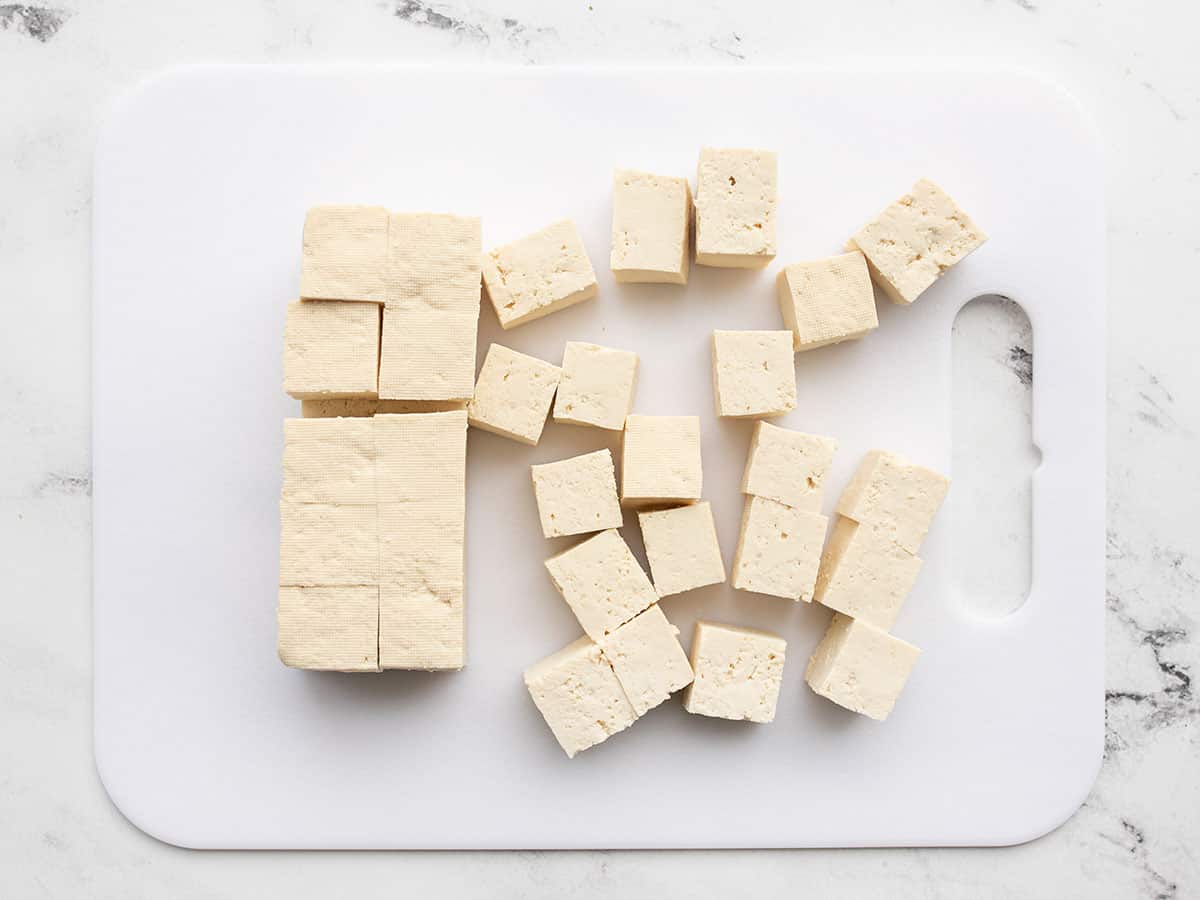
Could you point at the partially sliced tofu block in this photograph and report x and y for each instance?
(329, 629)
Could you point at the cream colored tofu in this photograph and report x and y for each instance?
(577, 495)
(597, 386)
(650, 224)
(421, 456)
(864, 574)
(648, 661)
(327, 544)
(736, 196)
(682, 548)
(911, 243)
(896, 497)
(754, 373)
(422, 626)
(738, 672)
(385, 407)
(788, 466)
(779, 550)
(427, 355)
(539, 274)
(579, 696)
(344, 256)
(422, 541)
(826, 301)
(602, 583)
(513, 395)
(329, 461)
(329, 629)
(860, 667)
(660, 460)
(331, 349)
(339, 408)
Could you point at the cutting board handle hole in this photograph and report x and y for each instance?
(994, 456)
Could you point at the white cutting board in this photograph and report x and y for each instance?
(204, 739)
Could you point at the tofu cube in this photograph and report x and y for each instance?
(660, 460)
(422, 625)
(911, 243)
(865, 574)
(651, 219)
(648, 661)
(577, 495)
(735, 208)
(344, 254)
(779, 550)
(513, 394)
(754, 373)
(860, 667)
(788, 466)
(331, 349)
(421, 456)
(602, 583)
(896, 497)
(329, 629)
(579, 696)
(682, 549)
(597, 386)
(327, 544)
(827, 301)
(329, 461)
(738, 672)
(539, 274)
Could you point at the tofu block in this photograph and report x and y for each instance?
(860, 667)
(651, 219)
(648, 661)
(911, 243)
(579, 696)
(788, 466)
(682, 549)
(327, 544)
(896, 497)
(344, 254)
(754, 373)
(735, 208)
(865, 574)
(826, 301)
(329, 629)
(331, 349)
(421, 456)
(329, 461)
(602, 583)
(660, 460)
(577, 495)
(513, 395)
(427, 355)
(597, 386)
(421, 626)
(738, 673)
(539, 274)
(779, 550)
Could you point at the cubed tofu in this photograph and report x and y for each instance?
(579, 696)
(327, 544)
(738, 672)
(682, 548)
(422, 625)
(660, 460)
(538, 274)
(779, 550)
(826, 301)
(513, 394)
(577, 495)
(597, 386)
(865, 574)
(896, 497)
(754, 373)
(602, 583)
(648, 660)
(329, 461)
(736, 195)
(421, 456)
(331, 349)
(344, 254)
(788, 466)
(860, 667)
(650, 224)
(911, 243)
(329, 629)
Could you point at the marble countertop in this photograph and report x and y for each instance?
(1136, 72)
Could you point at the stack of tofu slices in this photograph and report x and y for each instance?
(381, 350)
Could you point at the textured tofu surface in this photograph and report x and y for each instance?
(597, 386)
(421, 456)
(331, 349)
(358, 408)
(898, 498)
(860, 667)
(788, 466)
(329, 461)
(736, 196)
(754, 373)
(650, 224)
(421, 625)
(513, 395)
(825, 301)
(344, 253)
(602, 582)
(577, 495)
(538, 274)
(660, 460)
(864, 574)
(327, 544)
(648, 660)
(738, 672)
(332, 629)
(681, 547)
(778, 550)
